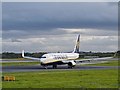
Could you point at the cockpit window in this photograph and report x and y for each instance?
(43, 57)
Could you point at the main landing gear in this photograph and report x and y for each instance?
(54, 66)
(70, 66)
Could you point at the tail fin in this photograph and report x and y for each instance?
(76, 48)
(116, 54)
(23, 54)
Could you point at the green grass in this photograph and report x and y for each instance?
(64, 79)
(20, 63)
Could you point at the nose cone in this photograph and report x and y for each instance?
(42, 60)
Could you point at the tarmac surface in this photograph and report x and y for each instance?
(38, 67)
(49, 68)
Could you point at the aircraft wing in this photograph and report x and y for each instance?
(27, 57)
(93, 59)
(87, 60)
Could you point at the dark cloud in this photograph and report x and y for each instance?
(15, 40)
(47, 16)
(29, 25)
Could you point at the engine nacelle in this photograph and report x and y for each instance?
(71, 63)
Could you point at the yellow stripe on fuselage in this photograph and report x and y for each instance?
(53, 60)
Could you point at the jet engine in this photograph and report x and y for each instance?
(71, 64)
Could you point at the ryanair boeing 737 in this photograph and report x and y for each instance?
(55, 59)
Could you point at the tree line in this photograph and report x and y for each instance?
(11, 55)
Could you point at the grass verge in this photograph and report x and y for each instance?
(64, 79)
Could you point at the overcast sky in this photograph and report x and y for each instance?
(53, 27)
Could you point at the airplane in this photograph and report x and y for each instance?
(55, 59)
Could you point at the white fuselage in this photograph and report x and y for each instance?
(56, 57)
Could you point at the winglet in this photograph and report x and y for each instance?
(23, 53)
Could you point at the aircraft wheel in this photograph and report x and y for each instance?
(54, 66)
(70, 66)
(45, 67)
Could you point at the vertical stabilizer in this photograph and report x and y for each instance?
(22, 53)
(76, 48)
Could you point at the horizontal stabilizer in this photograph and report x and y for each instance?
(76, 48)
